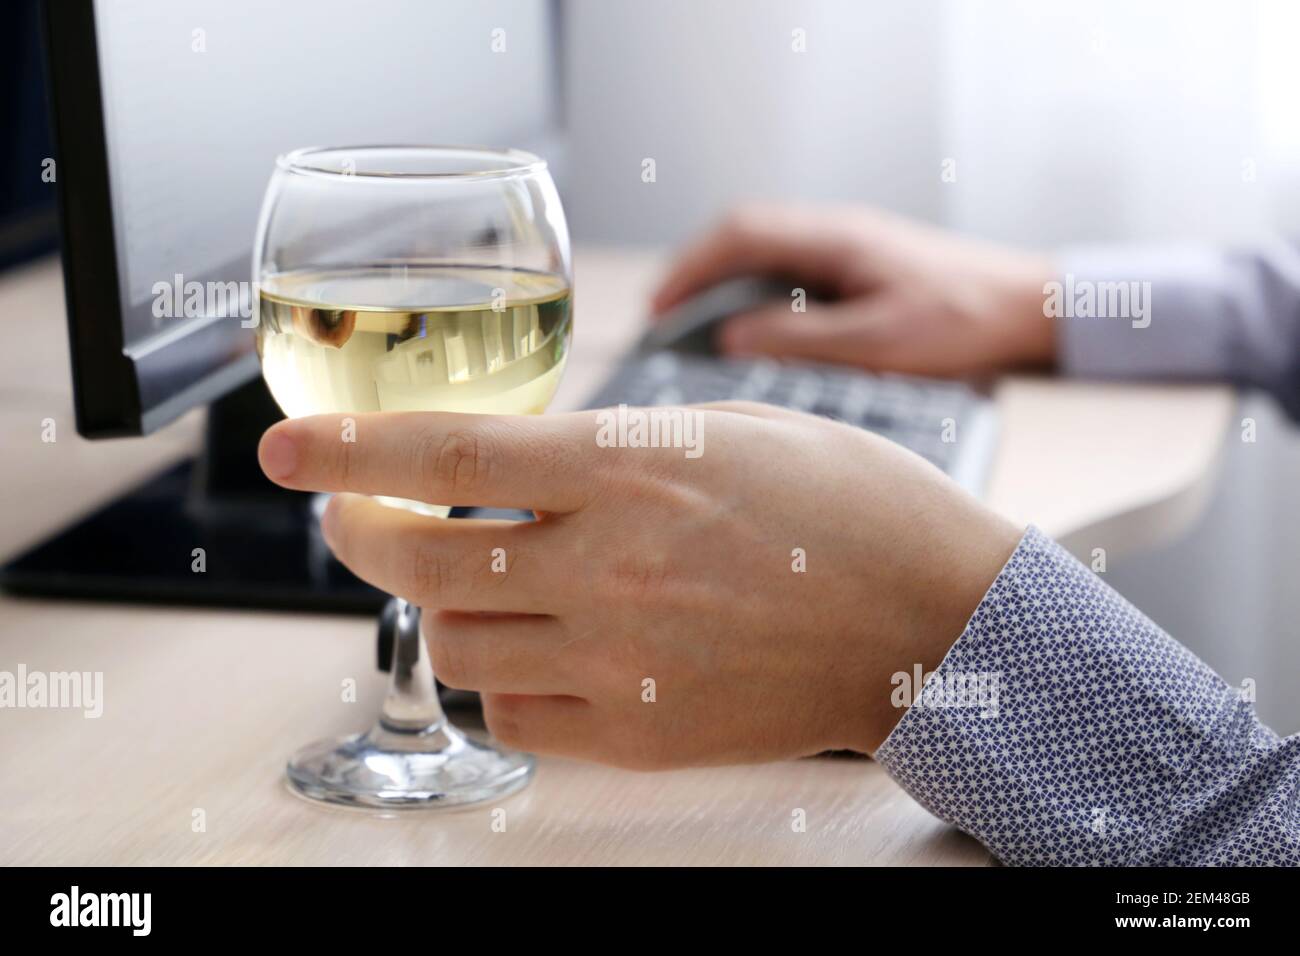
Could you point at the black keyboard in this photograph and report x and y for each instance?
(945, 422)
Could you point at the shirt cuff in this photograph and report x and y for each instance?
(1060, 725)
(1144, 312)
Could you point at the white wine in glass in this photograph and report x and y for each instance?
(413, 338)
(406, 278)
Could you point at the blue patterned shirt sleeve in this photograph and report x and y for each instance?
(1096, 738)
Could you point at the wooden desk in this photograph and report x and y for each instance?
(189, 726)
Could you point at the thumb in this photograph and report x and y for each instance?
(832, 332)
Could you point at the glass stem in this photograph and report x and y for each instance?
(411, 706)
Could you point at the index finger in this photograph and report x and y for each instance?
(445, 458)
(785, 241)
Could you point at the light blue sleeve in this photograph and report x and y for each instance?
(1096, 738)
(1214, 314)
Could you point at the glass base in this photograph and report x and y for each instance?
(388, 768)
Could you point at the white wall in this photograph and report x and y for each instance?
(714, 93)
(1109, 118)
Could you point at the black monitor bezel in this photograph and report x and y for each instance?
(115, 393)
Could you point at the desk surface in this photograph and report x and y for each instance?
(188, 727)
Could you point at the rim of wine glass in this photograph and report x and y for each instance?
(515, 162)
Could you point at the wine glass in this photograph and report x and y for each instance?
(411, 278)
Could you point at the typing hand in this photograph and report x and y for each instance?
(745, 597)
(901, 296)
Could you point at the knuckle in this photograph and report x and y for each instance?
(740, 221)
(459, 461)
(345, 464)
(754, 221)
(503, 721)
(746, 407)
(751, 407)
(637, 575)
(428, 574)
(448, 661)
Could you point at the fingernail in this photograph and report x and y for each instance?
(279, 455)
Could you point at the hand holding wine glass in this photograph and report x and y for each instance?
(411, 279)
(647, 565)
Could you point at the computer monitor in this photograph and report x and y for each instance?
(168, 116)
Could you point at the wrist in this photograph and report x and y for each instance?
(942, 604)
(1032, 338)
